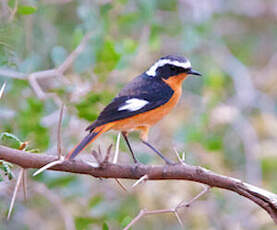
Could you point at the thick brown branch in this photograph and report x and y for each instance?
(265, 199)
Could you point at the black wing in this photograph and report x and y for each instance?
(154, 91)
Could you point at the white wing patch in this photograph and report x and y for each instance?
(162, 62)
(133, 104)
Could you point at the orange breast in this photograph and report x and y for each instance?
(151, 117)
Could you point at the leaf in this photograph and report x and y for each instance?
(269, 166)
(105, 8)
(105, 226)
(26, 10)
(213, 142)
(77, 37)
(106, 58)
(32, 129)
(95, 200)
(6, 168)
(11, 3)
(82, 223)
(62, 181)
(129, 45)
(88, 108)
(10, 140)
(34, 150)
(167, 5)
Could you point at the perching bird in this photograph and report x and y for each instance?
(142, 103)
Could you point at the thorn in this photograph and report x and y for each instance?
(189, 203)
(179, 218)
(15, 192)
(144, 212)
(49, 165)
(2, 89)
(116, 153)
(184, 156)
(99, 150)
(121, 185)
(140, 180)
(106, 159)
(96, 156)
(93, 164)
(181, 160)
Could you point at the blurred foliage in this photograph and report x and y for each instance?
(28, 119)
(106, 58)
(225, 121)
(88, 107)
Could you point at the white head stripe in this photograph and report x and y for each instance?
(162, 62)
(133, 104)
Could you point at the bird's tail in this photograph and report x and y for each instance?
(87, 140)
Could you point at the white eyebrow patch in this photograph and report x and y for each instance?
(133, 104)
(162, 62)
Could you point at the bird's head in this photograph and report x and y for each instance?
(171, 66)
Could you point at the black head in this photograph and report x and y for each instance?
(169, 66)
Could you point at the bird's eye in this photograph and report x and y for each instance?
(173, 68)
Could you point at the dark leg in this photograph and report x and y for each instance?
(124, 134)
(156, 151)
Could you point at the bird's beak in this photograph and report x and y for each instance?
(194, 72)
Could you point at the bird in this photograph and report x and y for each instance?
(141, 103)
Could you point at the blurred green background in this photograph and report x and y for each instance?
(225, 121)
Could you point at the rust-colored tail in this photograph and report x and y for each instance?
(87, 140)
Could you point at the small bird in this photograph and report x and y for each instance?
(142, 103)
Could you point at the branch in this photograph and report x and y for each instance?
(263, 198)
(182, 204)
(57, 72)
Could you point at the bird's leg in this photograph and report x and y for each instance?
(124, 134)
(144, 137)
(158, 152)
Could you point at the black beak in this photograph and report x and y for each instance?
(193, 72)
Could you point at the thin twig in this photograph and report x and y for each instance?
(23, 146)
(13, 74)
(71, 58)
(59, 146)
(144, 212)
(59, 133)
(19, 178)
(13, 11)
(33, 77)
(24, 184)
(55, 200)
